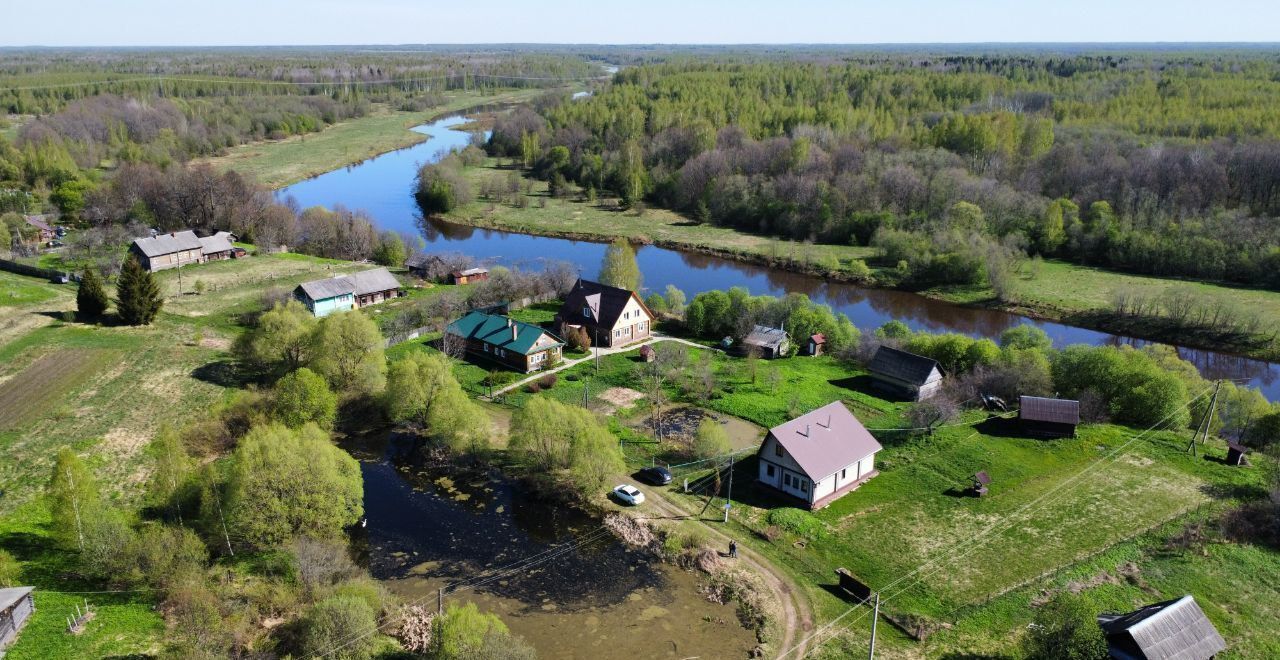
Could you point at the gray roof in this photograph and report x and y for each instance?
(372, 281)
(170, 243)
(904, 366)
(1172, 630)
(38, 221)
(219, 242)
(369, 281)
(1041, 409)
(12, 595)
(420, 260)
(762, 335)
(825, 440)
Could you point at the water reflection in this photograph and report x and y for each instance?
(383, 186)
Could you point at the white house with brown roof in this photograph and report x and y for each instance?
(611, 316)
(818, 457)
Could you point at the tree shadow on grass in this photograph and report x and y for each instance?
(1241, 492)
(223, 373)
(1001, 427)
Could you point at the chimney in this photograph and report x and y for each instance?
(514, 330)
(808, 430)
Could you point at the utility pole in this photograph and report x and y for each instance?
(728, 499)
(875, 614)
(440, 601)
(1206, 420)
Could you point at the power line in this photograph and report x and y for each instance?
(972, 545)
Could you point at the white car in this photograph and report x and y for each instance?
(629, 494)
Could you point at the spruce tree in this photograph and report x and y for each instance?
(91, 299)
(137, 294)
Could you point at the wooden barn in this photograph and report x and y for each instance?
(906, 375)
(1048, 418)
(1236, 454)
(817, 345)
(164, 251)
(16, 606)
(1172, 630)
(469, 276)
(769, 343)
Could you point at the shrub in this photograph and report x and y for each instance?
(548, 381)
(1065, 629)
(533, 388)
(798, 522)
(339, 627)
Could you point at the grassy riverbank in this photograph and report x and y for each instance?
(1051, 290)
(278, 163)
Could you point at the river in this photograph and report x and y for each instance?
(383, 187)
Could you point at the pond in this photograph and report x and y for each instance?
(552, 573)
(383, 187)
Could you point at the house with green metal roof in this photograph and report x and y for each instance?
(521, 346)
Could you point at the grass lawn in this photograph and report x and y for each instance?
(20, 290)
(278, 163)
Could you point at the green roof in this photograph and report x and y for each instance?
(495, 330)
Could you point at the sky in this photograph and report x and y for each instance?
(329, 22)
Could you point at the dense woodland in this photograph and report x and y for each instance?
(1160, 163)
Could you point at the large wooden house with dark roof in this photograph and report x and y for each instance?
(1171, 630)
(611, 316)
(521, 346)
(906, 375)
(347, 292)
(818, 457)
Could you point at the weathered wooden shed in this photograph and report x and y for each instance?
(469, 276)
(904, 374)
(817, 344)
(1048, 418)
(16, 606)
(980, 482)
(769, 342)
(1171, 630)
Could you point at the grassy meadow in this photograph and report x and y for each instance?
(278, 163)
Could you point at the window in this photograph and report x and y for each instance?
(777, 449)
(586, 312)
(804, 485)
(786, 479)
(768, 469)
(844, 473)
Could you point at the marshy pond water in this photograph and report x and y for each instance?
(553, 573)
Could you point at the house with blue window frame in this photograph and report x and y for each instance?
(522, 346)
(347, 292)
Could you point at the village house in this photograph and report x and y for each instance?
(521, 346)
(347, 292)
(1048, 418)
(16, 606)
(906, 375)
(768, 343)
(818, 457)
(218, 247)
(469, 276)
(169, 250)
(611, 316)
(44, 231)
(1171, 630)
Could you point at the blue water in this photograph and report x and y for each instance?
(383, 186)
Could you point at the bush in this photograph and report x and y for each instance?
(1065, 629)
(533, 388)
(798, 522)
(339, 627)
(303, 396)
(10, 570)
(548, 381)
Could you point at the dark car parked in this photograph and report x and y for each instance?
(658, 476)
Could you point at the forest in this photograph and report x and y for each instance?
(1158, 163)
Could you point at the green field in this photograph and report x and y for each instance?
(106, 390)
(278, 163)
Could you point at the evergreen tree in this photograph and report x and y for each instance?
(619, 267)
(91, 298)
(137, 294)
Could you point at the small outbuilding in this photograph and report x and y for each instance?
(980, 482)
(218, 246)
(647, 354)
(1236, 454)
(907, 375)
(769, 342)
(818, 457)
(1172, 630)
(1048, 418)
(817, 344)
(469, 276)
(16, 606)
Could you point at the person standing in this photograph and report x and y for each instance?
(733, 549)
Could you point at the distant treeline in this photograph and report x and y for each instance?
(1163, 165)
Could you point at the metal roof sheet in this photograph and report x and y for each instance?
(825, 440)
(219, 242)
(1042, 409)
(495, 330)
(762, 335)
(1171, 630)
(154, 246)
(904, 366)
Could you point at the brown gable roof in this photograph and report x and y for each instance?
(1041, 409)
(904, 366)
(825, 440)
(1172, 630)
(606, 303)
